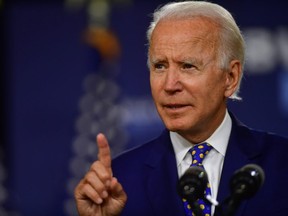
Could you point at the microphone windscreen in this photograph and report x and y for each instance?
(246, 181)
(192, 184)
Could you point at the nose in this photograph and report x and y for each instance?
(173, 81)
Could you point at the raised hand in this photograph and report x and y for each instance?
(99, 193)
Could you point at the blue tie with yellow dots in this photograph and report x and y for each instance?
(198, 153)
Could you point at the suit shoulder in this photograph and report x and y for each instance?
(139, 154)
(264, 138)
(135, 152)
(259, 136)
(269, 136)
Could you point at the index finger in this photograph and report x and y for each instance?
(104, 155)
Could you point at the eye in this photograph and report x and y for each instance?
(159, 66)
(187, 66)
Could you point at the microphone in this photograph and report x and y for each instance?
(244, 184)
(246, 181)
(191, 186)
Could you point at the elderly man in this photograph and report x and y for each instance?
(196, 58)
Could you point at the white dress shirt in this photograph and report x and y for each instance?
(213, 162)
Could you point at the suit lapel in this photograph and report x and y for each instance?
(241, 150)
(162, 178)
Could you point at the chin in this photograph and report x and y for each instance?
(176, 126)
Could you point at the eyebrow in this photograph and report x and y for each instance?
(191, 60)
(157, 60)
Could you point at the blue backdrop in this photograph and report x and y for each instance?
(60, 92)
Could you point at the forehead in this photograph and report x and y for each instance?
(180, 34)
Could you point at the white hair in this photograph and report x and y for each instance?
(231, 42)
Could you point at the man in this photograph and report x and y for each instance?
(196, 58)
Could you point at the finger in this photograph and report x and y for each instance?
(99, 177)
(85, 191)
(117, 190)
(97, 183)
(104, 155)
(101, 171)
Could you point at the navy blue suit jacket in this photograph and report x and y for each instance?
(148, 174)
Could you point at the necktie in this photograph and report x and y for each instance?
(198, 153)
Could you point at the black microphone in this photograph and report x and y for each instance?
(244, 184)
(246, 181)
(191, 186)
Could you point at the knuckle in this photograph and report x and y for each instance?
(79, 187)
(92, 194)
(90, 177)
(95, 165)
(100, 170)
(93, 180)
(104, 175)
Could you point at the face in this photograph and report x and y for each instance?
(188, 88)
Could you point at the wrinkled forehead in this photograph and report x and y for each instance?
(181, 32)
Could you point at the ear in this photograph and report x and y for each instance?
(233, 76)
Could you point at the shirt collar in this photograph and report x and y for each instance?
(219, 140)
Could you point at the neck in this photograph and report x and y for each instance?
(200, 135)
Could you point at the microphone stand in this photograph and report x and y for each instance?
(228, 207)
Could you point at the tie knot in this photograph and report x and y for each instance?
(199, 152)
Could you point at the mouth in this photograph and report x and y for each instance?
(175, 107)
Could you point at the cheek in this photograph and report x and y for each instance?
(154, 91)
(155, 86)
(216, 85)
(195, 87)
